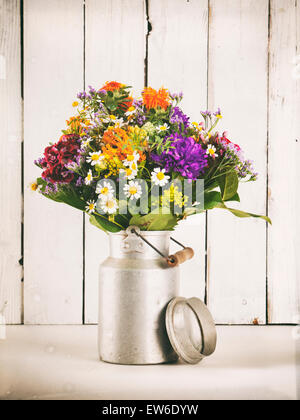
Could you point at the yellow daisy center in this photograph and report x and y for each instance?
(112, 117)
(104, 190)
(211, 151)
(34, 186)
(89, 177)
(130, 158)
(160, 175)
(95, 157)
(91, 206)
(110, 204)
(132, 190)
(133, 166)
(128, 171)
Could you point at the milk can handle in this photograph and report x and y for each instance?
(173, 260)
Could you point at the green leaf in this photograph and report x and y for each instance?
(243, 214)
(235, 197)
(228, 185)
(104, 224)
(154, 221)
(68, 197)
(212, 199)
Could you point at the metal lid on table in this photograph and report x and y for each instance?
(191, 329)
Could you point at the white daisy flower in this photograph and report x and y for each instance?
(129, 173)
(90, 207)
(112, 119)
(104, 190)
(85, 142)
(162, 128)
(133, 190)
(159, 177)
(211, 151)
(132, 158)
(95, 158)
(89, 178)
(131, 111)
(109, 205)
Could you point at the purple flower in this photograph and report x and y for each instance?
(102, 92)
(92, 90)
(205, 113)
(218, 112)
(50, 189)
(81, 95)
(185, 157)
(79, 181)
(140, 117)
(178, 117)
(176, 96)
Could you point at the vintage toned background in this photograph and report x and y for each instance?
(243, 56)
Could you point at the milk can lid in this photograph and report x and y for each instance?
(191, 329)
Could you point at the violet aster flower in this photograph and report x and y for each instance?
(178, 117)
(185, 157)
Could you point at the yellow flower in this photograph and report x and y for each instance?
(75, 103)
(34, 186)
(173, 195)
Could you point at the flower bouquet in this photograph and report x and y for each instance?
(141, 162)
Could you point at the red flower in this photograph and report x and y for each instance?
(227, 141)
(58, 173)
(68, 146)
(51, 155)
(57, 155)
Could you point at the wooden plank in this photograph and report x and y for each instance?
(10, 161)
(178, 60)
(53, 232)
(238, 56)
(284, 129)
(114, 51)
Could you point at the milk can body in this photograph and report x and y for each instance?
(135, 287)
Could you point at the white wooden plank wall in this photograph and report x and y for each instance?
(53, 73)
(234, 54)
(10, 161)
(284, 143)
(238, 80)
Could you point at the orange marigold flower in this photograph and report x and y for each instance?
(117, 143)
(153, 98)
(111, 86)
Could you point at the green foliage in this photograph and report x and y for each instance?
(154, 221)
(228, 185)
(101, 222)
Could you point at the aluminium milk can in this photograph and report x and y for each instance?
(142, 320)
(135, 287)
